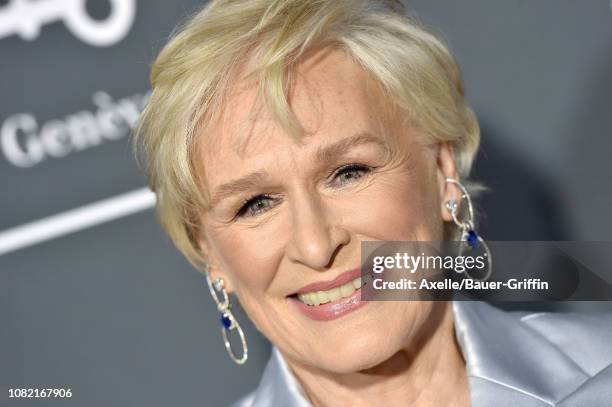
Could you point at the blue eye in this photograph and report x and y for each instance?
(350, 173)
(256, 205)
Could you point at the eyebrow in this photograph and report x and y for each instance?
(341, 147)
(323, 154)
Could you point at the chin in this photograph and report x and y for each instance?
(356, 351)
(360, 340)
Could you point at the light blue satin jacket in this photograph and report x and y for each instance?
(513, 360)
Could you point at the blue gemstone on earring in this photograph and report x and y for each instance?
(226, 321)
(472, 239)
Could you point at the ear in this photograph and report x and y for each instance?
(213, 260)
(446, 168)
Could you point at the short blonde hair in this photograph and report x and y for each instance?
(192, 74)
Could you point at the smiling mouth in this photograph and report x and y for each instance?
(315, 298)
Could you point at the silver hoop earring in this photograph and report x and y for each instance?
(228, 321)
(469, 236)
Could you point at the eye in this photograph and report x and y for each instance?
(349, 173)
(255, 206)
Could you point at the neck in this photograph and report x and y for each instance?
(427, 371)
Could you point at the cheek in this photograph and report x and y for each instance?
(400, 206)
(248, 259)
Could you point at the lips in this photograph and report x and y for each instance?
(328, 285)
(328, 300)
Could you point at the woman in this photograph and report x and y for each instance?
(282, 134)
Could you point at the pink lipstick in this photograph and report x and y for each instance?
(345, 290)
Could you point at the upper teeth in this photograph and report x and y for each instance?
(322, 297)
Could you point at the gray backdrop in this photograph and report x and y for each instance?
(113, 312)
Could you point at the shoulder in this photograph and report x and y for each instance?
(585, 338)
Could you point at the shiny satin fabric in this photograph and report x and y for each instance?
(512, 360)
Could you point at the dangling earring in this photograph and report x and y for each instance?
(228, 321)
(469, 236)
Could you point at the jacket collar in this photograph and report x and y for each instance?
(278, 385)
(505, 359)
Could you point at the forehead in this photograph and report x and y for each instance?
(331, 96)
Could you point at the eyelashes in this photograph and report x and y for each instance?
(255, 205)
(340, 177)
(349, 173)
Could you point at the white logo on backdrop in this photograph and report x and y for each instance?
(26, 17)
(25, 144)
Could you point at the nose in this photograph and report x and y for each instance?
(316, 236)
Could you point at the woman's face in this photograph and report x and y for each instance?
(288, 213)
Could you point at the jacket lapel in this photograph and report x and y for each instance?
(592, 392)
(510, 363)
